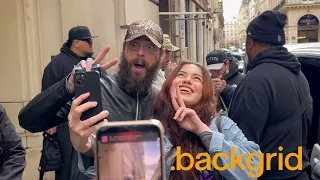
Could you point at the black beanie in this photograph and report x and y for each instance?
(268, 27)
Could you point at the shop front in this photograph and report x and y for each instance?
(308, 29)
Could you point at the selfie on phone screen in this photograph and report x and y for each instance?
(129, 156)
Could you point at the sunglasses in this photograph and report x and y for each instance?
(89, 41)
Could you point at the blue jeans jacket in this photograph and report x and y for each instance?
(230, 138)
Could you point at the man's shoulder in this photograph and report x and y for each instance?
(3, 115)
(58, 59)
(108, 80)
(2, 110)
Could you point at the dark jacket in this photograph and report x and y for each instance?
(41, 112)
(60, 66)
(232, 79)
(49, 109)
(57, 69)
(12, 152)
(272, 91)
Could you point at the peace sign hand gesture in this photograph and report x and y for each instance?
(186, 118)
(88, 64)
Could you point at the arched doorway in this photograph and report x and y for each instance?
(308, 29)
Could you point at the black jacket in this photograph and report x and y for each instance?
(12, 152)
(58, 68)
(48, 109)
(232, 79)
(41, 112)
(272, 91)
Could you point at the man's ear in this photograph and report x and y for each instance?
(75, 43)
(250, 43)
(123, 46)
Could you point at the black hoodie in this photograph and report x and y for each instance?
(60, 66)
(57, 69)
(232, 79)
(272, 91)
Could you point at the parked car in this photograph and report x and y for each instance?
(239, 59)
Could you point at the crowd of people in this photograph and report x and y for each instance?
(204, 109)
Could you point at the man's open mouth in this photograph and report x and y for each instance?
(139, 66)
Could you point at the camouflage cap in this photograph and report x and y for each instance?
(145, 28)
(168, 45)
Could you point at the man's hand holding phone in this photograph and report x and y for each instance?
(80, 128)
(218, 84)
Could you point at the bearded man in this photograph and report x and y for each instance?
(127, 95)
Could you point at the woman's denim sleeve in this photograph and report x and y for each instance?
(232, 143)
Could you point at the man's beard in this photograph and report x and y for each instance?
(89, 54)
(135, 82)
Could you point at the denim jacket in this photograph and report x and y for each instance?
(231, 136)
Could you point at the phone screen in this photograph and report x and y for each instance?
(129, 154)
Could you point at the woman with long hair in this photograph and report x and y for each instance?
(186, 106)
(189, 119)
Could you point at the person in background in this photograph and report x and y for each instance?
(225, 76)
(272, 105)
(12, 152)
(166, 65)
(78, 47)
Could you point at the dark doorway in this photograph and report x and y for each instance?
(164, 24)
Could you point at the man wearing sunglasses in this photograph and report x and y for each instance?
(78, 47)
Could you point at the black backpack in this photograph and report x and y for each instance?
(51, 159)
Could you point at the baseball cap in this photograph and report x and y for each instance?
(80, 32)
(145, 28)
(216, 59)
(168, 45)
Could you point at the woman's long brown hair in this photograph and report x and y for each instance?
(189, 142)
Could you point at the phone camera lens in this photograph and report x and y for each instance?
(80, 80)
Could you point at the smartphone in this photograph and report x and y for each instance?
(130, 150)
(88, 81)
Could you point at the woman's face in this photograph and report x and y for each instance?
(189, 82)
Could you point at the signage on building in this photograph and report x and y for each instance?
(308, 20)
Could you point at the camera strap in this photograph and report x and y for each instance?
(224, 105)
